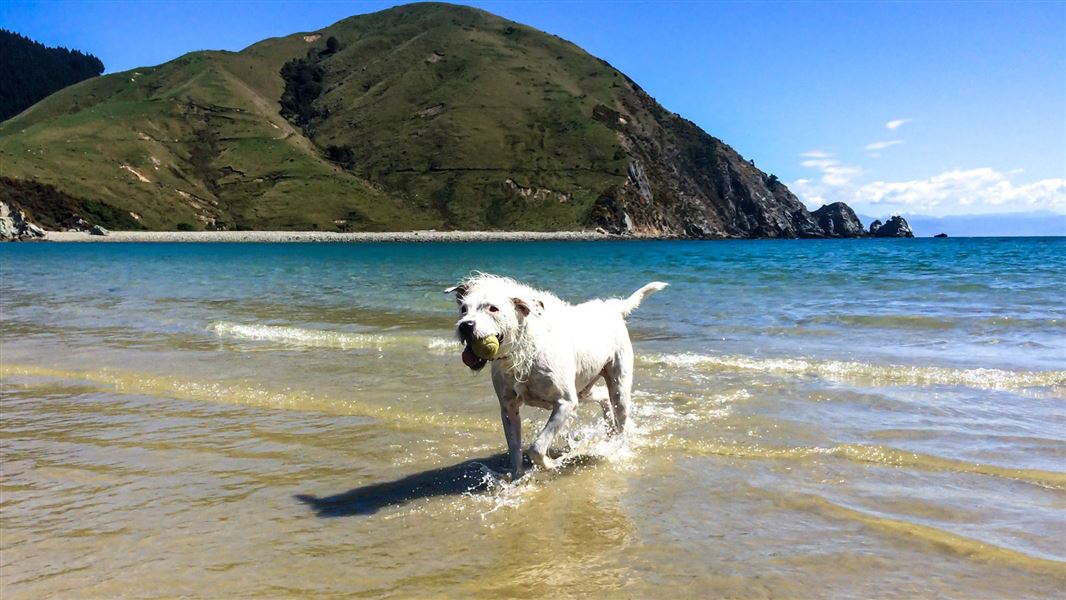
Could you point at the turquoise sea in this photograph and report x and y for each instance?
(830, 418)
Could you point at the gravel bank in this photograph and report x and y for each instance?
(324, 236)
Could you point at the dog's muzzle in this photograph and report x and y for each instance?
(470, 359)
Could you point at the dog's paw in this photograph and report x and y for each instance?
(542, 460)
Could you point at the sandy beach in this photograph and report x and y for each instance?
(328, 236)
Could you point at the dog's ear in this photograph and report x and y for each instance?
(521, 306)
(460, 291)
(525, 308)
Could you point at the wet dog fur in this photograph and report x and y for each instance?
(551, 355)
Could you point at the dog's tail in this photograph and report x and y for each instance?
(631, 303)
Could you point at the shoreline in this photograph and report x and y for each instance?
(330, 236)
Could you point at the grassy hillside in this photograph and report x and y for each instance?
(421, 116)
(196, 141)
(469, 102)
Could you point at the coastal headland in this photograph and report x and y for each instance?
(419, 117)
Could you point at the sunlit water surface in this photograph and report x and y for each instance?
(813, 419)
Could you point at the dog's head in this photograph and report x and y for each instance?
(489, 306)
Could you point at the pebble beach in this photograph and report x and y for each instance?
(327, 236)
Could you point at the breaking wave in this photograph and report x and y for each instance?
(320, 338)
(868, 373)
(992, 379)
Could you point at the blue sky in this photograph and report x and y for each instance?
(975, 92)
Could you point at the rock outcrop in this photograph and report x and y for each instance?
(838, 220)
(895, 227)
(14, 225)
(683, 182)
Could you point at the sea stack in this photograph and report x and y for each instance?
(838, 220)
(895, 227)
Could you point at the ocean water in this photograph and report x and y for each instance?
(837, 418)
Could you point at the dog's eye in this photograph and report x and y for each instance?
(463, 310)
(493, 309)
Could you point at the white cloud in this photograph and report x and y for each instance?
(834, 173)
(896, 124)
(972, 191)
(881, 145)
(976, 190)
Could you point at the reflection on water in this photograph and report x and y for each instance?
(813, 419)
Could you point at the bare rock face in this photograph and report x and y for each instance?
(79, 224)
(7, 224)
(15, 226)
(838, 220)
(897, 226)
(683, 182)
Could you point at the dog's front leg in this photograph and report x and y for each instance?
(564, 408)
(512, 430)
(512, 423)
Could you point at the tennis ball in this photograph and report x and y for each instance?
(486, 347)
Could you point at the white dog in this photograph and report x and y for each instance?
(551, 353)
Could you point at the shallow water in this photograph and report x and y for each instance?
(853, 418)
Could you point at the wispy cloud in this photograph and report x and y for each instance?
(834, 173)
(896, 124)
(881, 145)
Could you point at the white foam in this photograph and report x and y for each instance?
(320, 338)
(845, 370)
(300, 337)
(442, 345)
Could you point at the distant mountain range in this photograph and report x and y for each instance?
(1035, 224)
(421, 116)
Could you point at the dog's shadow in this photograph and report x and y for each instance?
(466, 477)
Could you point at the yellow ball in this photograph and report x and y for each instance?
(486, 347)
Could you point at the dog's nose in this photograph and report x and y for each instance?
(466, 328)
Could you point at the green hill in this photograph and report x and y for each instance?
(421, 116)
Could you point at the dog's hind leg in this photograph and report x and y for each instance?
(619, 378)
(564, 408)
(600, 395)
